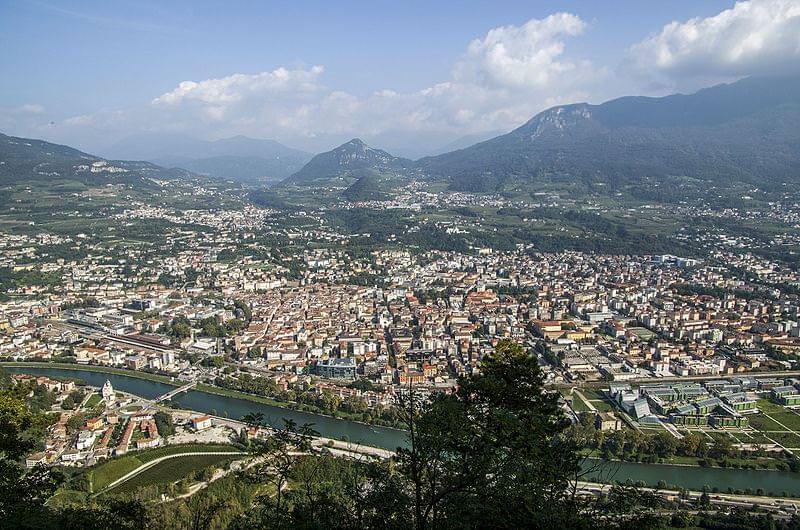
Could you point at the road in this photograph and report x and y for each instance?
(726, 499)
(678, 379)
(338, 447)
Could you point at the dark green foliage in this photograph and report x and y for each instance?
(180, 327)
(268, 199)
(10, 279)
(366, 188)
(492, 455)
(22, 492)
(164, 424)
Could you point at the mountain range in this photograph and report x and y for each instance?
(24, 160)
(746, 132)
(238, 158)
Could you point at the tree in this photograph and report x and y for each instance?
(164, 424)
(180, 327)
(492, 451)
(68, 403)
(278, 459)
(664, 444)
(22, 493)
(254, 419)
(494, 454)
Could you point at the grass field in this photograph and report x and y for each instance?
(774, 423)
(172, 470)
(94, 399)
(592, 394)
(785, 439)
(788, 419)
(67, 497)
(578, 404)
(767, 406)
(107, 472)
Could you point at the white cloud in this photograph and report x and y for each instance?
(752, 37)
(500, 81)
(31, 108)
(236, 87)
(524, 56)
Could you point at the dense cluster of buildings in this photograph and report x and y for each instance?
(414, 319)
(233, 295)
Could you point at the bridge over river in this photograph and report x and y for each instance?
(690, 477)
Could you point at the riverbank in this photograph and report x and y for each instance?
(688, 477)
(220, 403)
(290, 405)
(203, 387)
(95, 368)
(760, 463)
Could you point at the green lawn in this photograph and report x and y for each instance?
(578, 404)
(753, 438)
(172, 470)
(765, 405)
(602, 406)
(762, 423)
(785, 439)
(93, 400)
(789, 419)
(593, 394)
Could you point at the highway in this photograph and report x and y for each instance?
(723, 499)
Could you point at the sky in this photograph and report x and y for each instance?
(410, 75)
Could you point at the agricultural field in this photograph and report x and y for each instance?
(172, 470)
(107, 472)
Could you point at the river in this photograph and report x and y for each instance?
(684, 476)
(233, 408)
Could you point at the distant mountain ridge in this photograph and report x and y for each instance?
(236, 158)
(25, 160)
(748, 131)
(350, 161)
(745, 133)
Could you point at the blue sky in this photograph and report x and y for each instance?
(312, 73)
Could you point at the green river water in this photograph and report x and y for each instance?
(695, 478)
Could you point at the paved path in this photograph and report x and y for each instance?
(151, 463)
(671, 429)
(588, 403)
